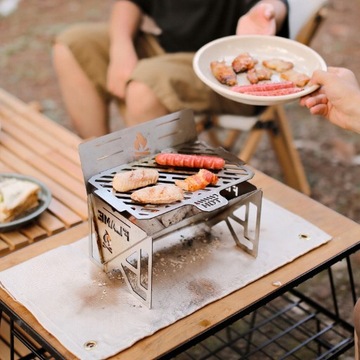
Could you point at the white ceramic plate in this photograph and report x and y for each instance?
(260, 47)
(44, 201)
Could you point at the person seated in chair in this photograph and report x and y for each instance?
(151, 74)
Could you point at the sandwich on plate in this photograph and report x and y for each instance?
(16, 198)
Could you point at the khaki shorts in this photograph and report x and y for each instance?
(170, 76)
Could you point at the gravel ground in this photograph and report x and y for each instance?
(331, 156)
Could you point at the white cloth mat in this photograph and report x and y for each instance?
(76, 302)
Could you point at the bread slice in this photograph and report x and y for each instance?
(16, 197)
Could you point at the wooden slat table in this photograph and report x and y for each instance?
(31, 144)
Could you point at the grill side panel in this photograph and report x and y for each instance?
(129, 144)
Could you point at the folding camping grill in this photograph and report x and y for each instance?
(122, 231)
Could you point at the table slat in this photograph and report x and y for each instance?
(38, 120)
(39, 162)
(34, 232)
(4, 248)
(64, 213)
(14, 239)
(36, 139)
(50, 223)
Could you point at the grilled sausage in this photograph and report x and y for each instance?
(198, 181)
(191, 161)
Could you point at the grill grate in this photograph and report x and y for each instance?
(208, 199)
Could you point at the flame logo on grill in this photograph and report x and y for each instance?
(106, 243)
(140, 145)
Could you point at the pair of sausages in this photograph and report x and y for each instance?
(268, 89)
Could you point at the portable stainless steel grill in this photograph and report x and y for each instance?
(122, 232)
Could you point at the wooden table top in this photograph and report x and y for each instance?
(33, 145)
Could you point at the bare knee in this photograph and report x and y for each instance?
(67, 68)
(62, 57)
(142, 104)
(136, 91)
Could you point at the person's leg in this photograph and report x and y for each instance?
(80, 79)
(157, 87)
(142, 104)
(86, 108)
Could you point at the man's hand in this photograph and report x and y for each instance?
(119, 71)
(259, 20)
(124, 23)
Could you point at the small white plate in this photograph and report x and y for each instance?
(260, 47)
(27, 217)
